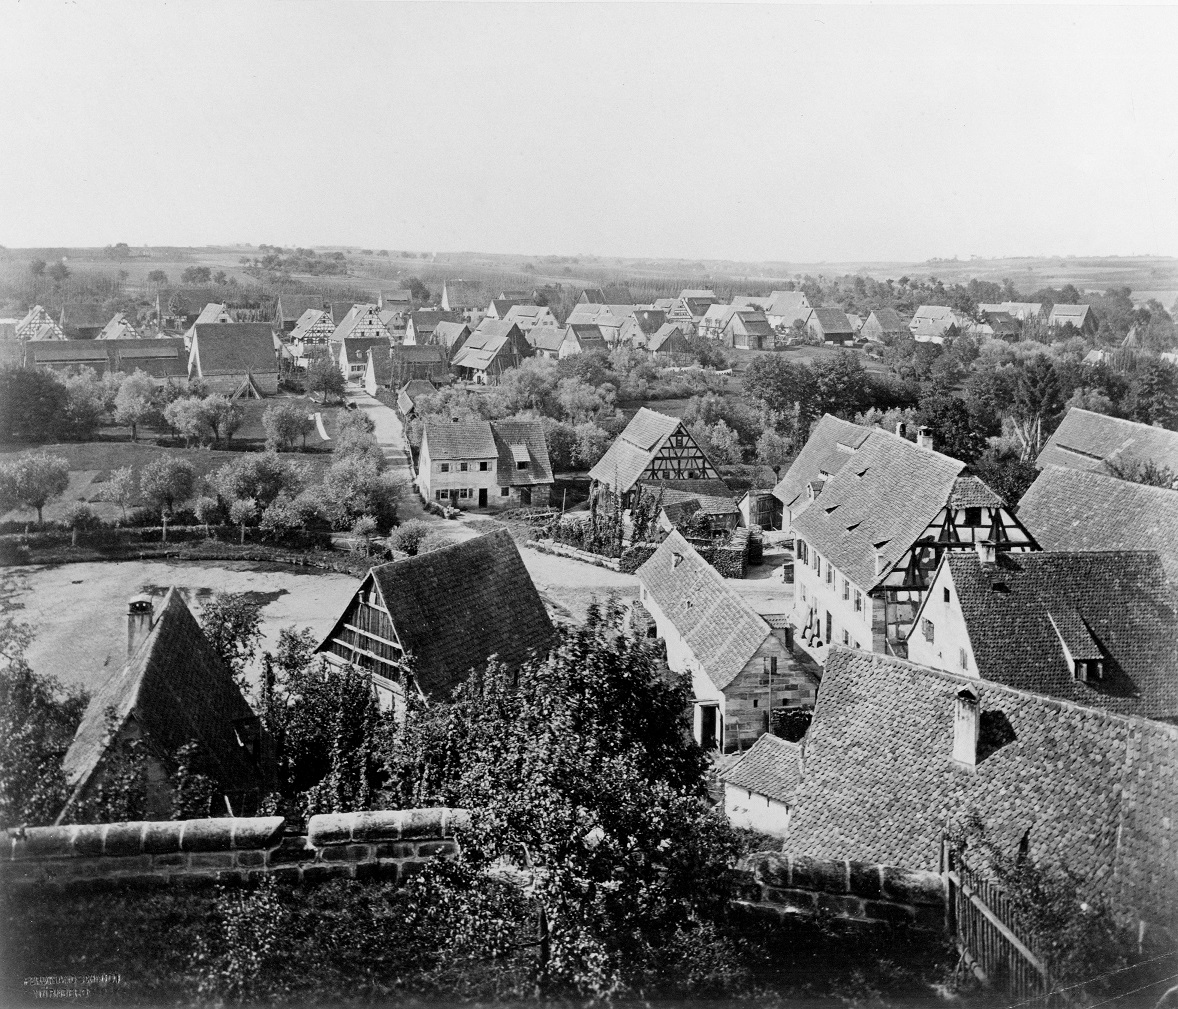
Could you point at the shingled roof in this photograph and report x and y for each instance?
(889, 320)
(1095, 789)
(1087, 440)
(516, 440)
(311, 317)
(881, 503)
(234, 348)
(632, 451)
(456, 607)
(772, 766)
(292, 307)
(720, 627)
(1115, 606)
(832, 320)
(462, 439)
(831, 443)
(1070, 509)
(178, 691)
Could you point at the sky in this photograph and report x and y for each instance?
(701, 131)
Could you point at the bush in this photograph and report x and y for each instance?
(634, 556)
(81, 517)
(408, 536)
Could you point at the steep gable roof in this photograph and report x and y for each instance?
(549, 338)
(1021, 610)
(649, 320)
(1096, 790)
(881, 503)
(518, 440)
(789, 305)
(119, 328)
(832, 320)
(456, 607)
(889, 320)
(458, 439)
(310, 318)
(1087, 440)
(588, 335)
(356, 348)
(772, 766)
(178, 690)
(668, 339)
(831, 443)
(751, 321)
(359, 316)
(233, 348)
(632, 451)
(450, 335)
(1075, 314)
(715, 621)
(292, 307)
(1071, 509)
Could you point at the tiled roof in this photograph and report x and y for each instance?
(119, 328)
(772, 767)
(890, 321)
(160, 358)
(1097, 791)
(210, 313)
(668, 338)
(1075, 314)
(408, 353)
(592, 296)
(504, 305)
(1087, 440)
(970, 492)
(549, 338)
(233, 348)
(295, 306)
(588, 335)
(418, 387)
(426, 321)
(456, 607)
(789, 305)
(711, 504)
(649, 320)
(510, 437)
(1118, 602)
(708, 492)
(1070, 509)
(752, 321)
(356, 347)
(447, 334)
(178, 690)
(359, 317)
(832, 320)
(464, 439)
(697, 294)
(722, 630)
(831, 443)
(633, 450)
(85, 315)
(750, 301)
(309, 318)
(882, 502)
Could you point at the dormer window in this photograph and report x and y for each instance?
(1088, 670)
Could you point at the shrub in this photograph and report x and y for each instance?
(407, 537)
(285, 423)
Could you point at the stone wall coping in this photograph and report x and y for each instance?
(870, 880)
(386, 825)
(142, 837)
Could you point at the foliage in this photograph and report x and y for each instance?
(1007, 474)
(242, 512)
(32, 480)
(324, 376)
(952, 427)
(167, 482)
(407, 537)
(1149, 472)
(355, 486)
(135, 403)
(86, 403)
(189, 419)
(118, 488)
(285, 422)
(232, 623)
(81, 517)
(223, 416)
(196, 275)
(32, 405)
(774, 450)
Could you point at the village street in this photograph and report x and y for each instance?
(390, 434)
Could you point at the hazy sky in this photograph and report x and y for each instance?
(686, 130)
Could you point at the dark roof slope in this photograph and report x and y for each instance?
(464, 439)
(633, 450)
(1097, 790)
(1087, 440)
(1070, 509)
(178, 690)
(833, 320)
(890, 321)
(831, 443)
(233, 348)
(772, 766)
(517, 440)
(456, 607)
(1115, 602)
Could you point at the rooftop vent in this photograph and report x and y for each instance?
(924, 438)
(965, 728)
(139, 621)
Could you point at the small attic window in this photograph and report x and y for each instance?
(1088, 670)
(676, 560)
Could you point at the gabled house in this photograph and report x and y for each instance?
(484, 464)
(528, 317)
(655, 448)
(451, 336)
(761, 304)
(1095, 628)
(669, 343)
(856, 322)
(761, 787)
(749, 329)
(830, 325)
(234, 358)
(421, 325)
(38, 324)
(490, 350)
(786, 308)
(1074, 509)
(591, 296)
(715, 319)
(997, 326)
(1023, 311)
(461, 305)
(314, 328)
(119, 328)
(361, 323)
(352, 354)
(172, 690)
(933, 323)
(897, 752)
(290, 308)
(212, 313)
(679, 507)
(83, 321)
(422, 624)
(1103, 444)
(696, 303)
(548, 341)
(866, 548)
(610, 319)
(583, 338)
(499, 307)
(391, 367)
(831, 444)
(640, 326)
(740, 667)
(884, 325)
(1079, 317)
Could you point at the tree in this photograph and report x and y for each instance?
(285, 422)
(419, 292)
(33, 404)
(355, 486)
(223, 416)
(135, 402)
(37, 269)
(952, 426)
(34, 479)
(166, 483)
(118, 488)
(196, 275)
(242, 512)
(220, 278)
(157, 278)
(261, 476)
(774, 450)
(324, 376)
(1038, 399)
(407, 537)
(232, 624)
(85, 404)
(59, 273)
(189, 418)
(1154, 394)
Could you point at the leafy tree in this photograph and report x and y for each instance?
(355, 486)
(37, 269)
(157, 278)
(118, 488)
(223, 416)
(1007, 474)
(356, 438)
(1038, 400)
(220, 277)
(284, 423)
(324, 376)
(32, 405)
(34, 479)
(135, 403)
(1149, 472)
(261, 476)
(59, 273)
(1154, 394)
(189, 418)
(774, 450)
(242, 512)
(232, 623)
(196, 275)
(952, 427)
(407, 537)
(592, 442)
(419, 292)
(86, 399)
(207, 510)
(166, 483)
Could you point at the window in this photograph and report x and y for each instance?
(462, 467)
(829, 574)
(855, 644)
(846, 589)
(858, 601)
(945, 594)
(963, 658)
(829, 626)
(846, 637)
(926, 628)
(444, 467)
(521, 464)
(464, 492)
(973, 516)
(754, 702)
(769, 664)
(482, 467)
(504, 491)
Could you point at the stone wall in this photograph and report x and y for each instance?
(852, 893)
(388, 845)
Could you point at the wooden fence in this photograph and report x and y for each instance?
(982, 923)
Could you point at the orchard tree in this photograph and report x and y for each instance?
(262, 476)
(232, 624)
(285, 422)
(189, 419)
(166, 483)
(33, 405)
(59, 273)
(952, 427)
(774, 450)
(157, 278)
(118, 488)
(37, 269)
(34, 479)
(324, 376)
(135, 402)
(223, 416)
(242, 512)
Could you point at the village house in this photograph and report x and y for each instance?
(639, 327)
(351, 354)
(421, 325)
(934, 323)
(856, 322)
(314, 328)
(214, 313)
(669, 344)
(997, 326)
(696, 303)
(1079, 317)
(761, 304)
(119, 328)
(748, 329)
(830, 325)
(82, 320)
(678, 313)
(462, 306)
(289, 309)
(407, 363)
(786, 308)
(884, 325)
(831, 443)
(171, 689)
(361, 323)
(681, 508)
(528, 317)
(38, 324)
(1069, 509)
(715, 319)
(234, 358)
(490, 350)
(499, 307)
(610, 319)
(760, 788)
(658, 450)
(420, 625)
(1095, 628)
(866, 548)
(450, 336)
(164, 360)
(897, 753)
(740, 667)
(1102, 444)
(1024, 311)
(410, 393)
(548, 341)
(484, 464)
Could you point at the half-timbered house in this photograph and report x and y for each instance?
(866, 548)
(38, 324)
(420, 625)
(289, 309)
(490, 350)
(119, 328)
(235, 358)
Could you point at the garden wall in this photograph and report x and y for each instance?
(388, 845)
(852, 893)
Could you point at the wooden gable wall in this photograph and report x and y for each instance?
(680, 458)
(365, 637)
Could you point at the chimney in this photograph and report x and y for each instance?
(965, 728)
(987, 551)
(880, 564)
(924, 438)
(901, 429)
(139, 614)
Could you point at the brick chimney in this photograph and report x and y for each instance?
(924, 438)
(987, 551)
(139, 620)
(965, 728)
